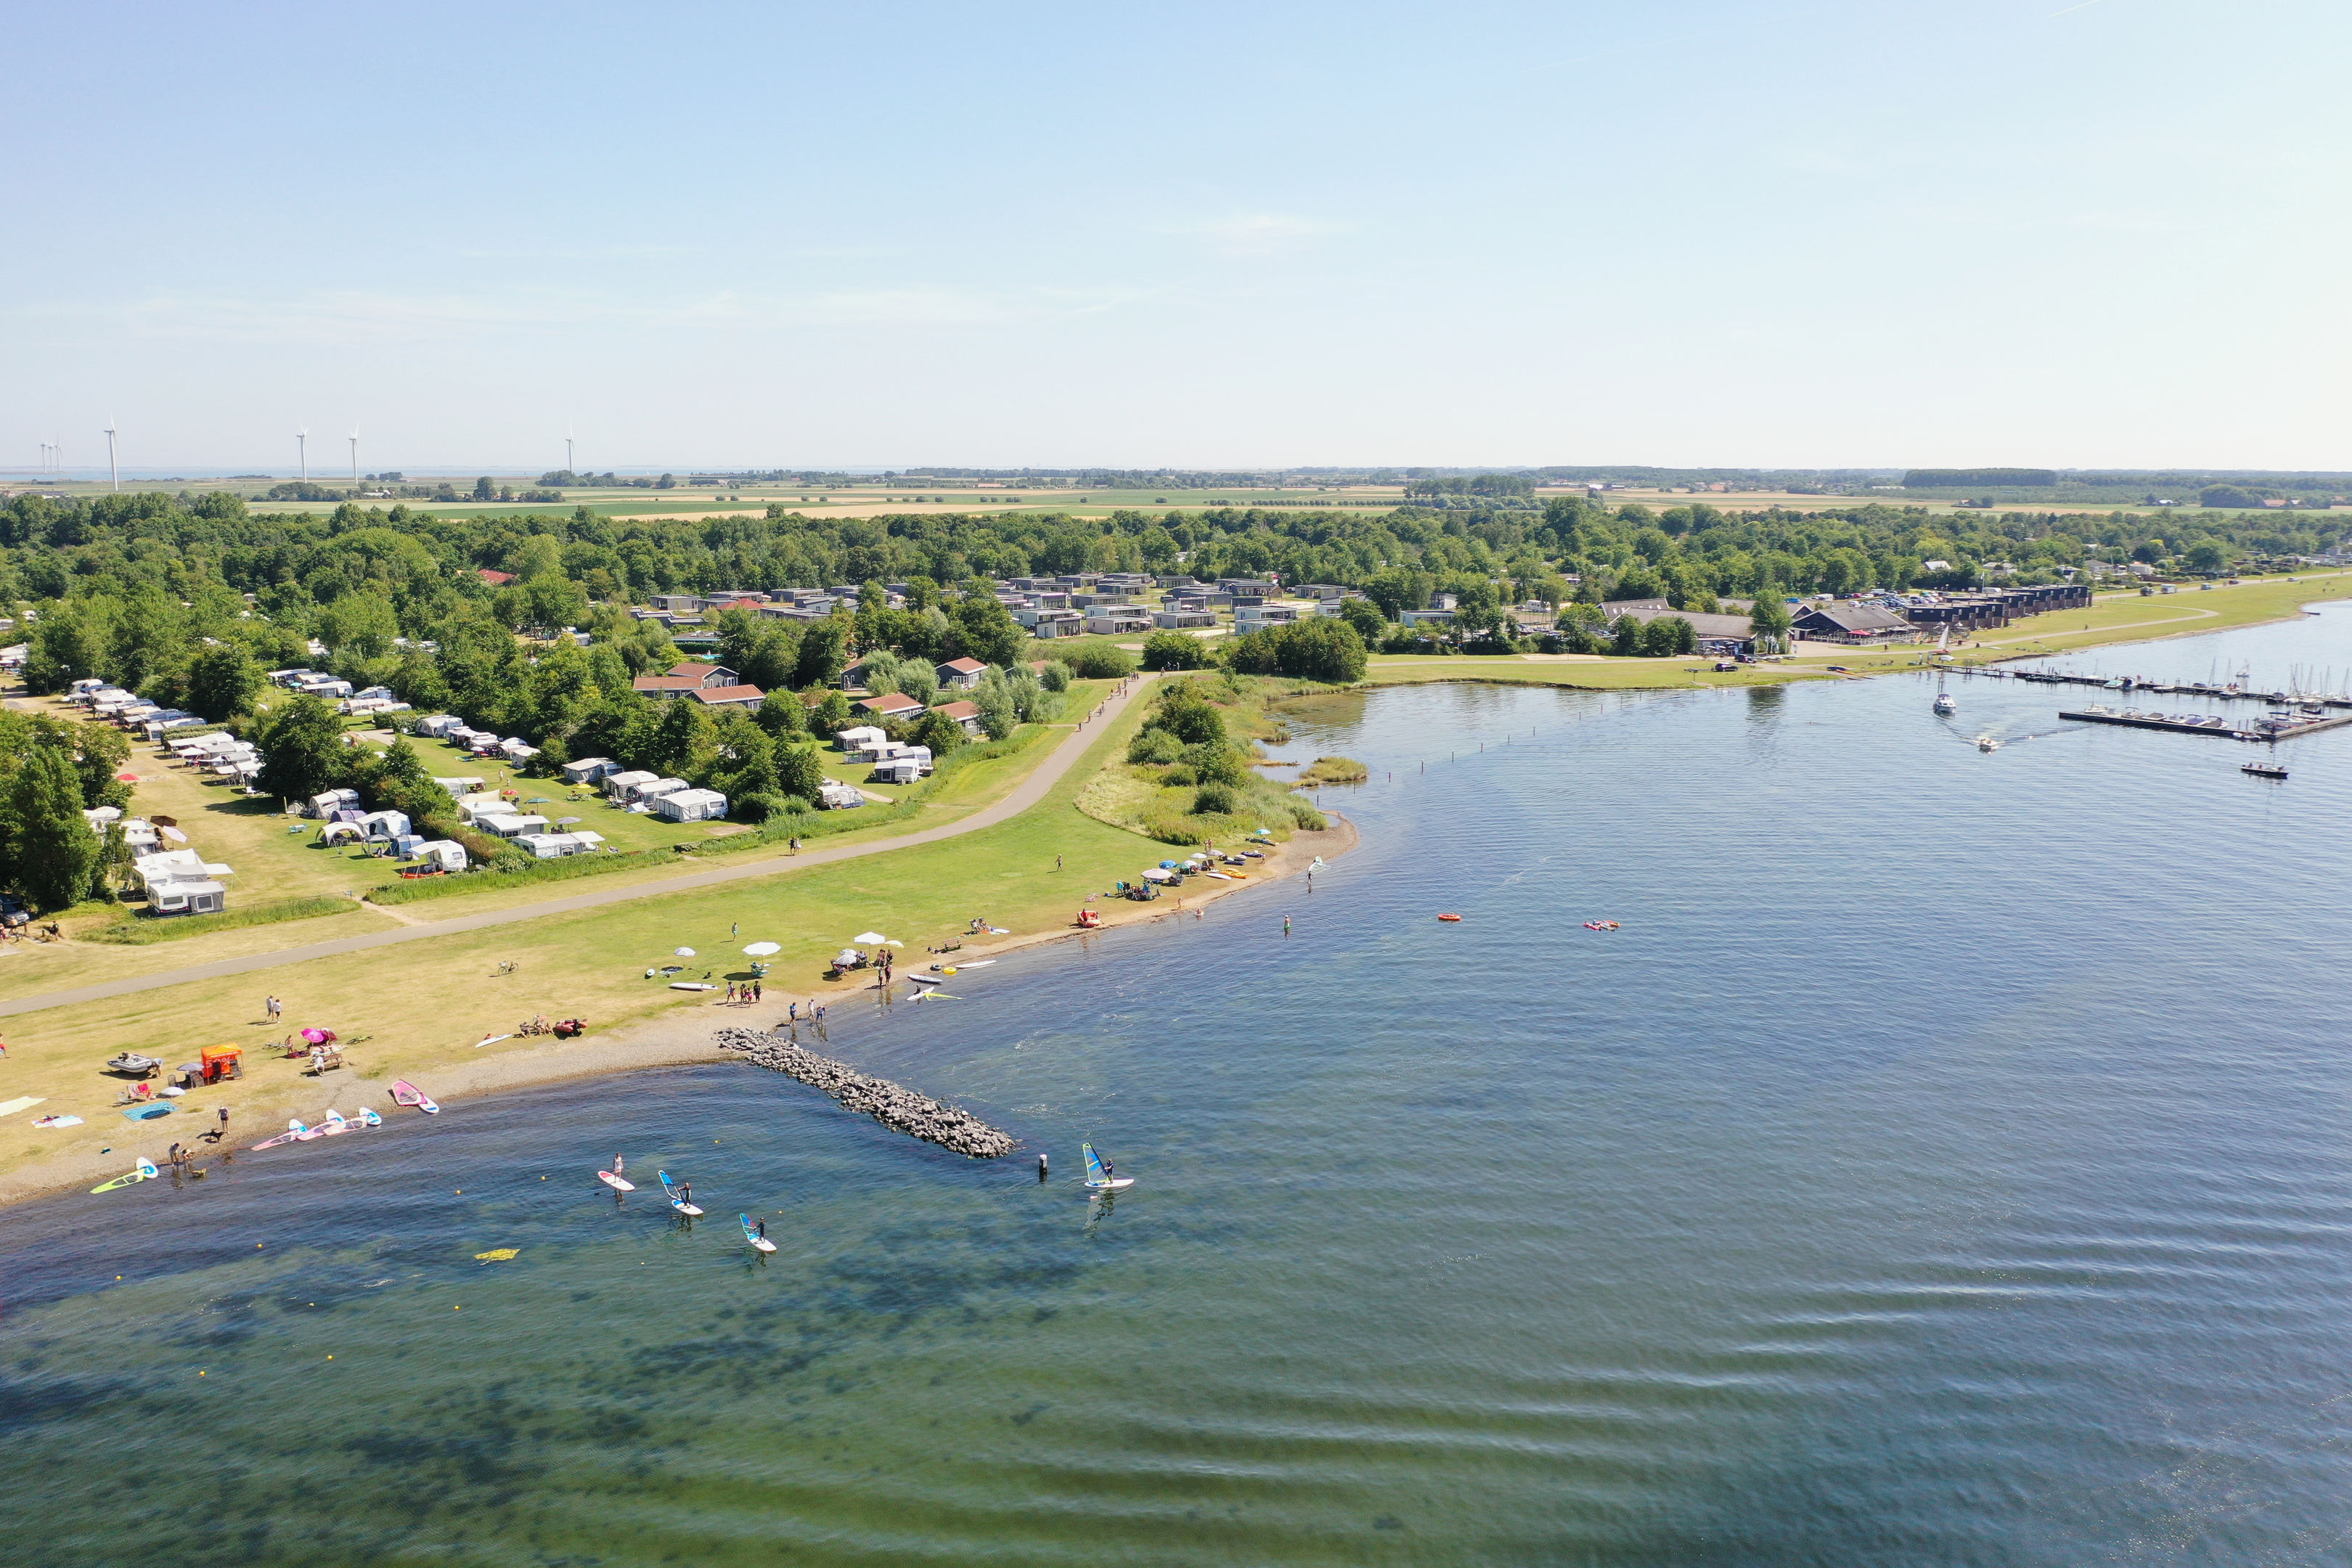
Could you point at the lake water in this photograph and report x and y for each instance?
(1945, 1163)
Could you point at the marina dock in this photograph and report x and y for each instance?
(2229, 693)
(2270, 729)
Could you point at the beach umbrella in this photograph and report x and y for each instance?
(568, 821)
(174, 834)
(893, 942)
(762, 949)
(683, 952)
(869, 936)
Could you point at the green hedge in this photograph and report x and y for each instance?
(777, 829)
(144, 930)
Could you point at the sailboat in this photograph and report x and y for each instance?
(676, 1202)
(1099, 1177)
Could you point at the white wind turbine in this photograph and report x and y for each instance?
(302, 449)
(355, 454)
(113, 473)
(567, 452)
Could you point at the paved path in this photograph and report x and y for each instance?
(1023, 795)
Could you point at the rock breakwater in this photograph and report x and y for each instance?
(892, 1105)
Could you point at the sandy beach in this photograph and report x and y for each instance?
(672, 1039)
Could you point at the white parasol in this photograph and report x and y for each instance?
(683, 952)
(869, 936)
(762, 949)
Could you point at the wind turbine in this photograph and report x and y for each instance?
(302, 449)
(355, 454)
(567, 453)
(113, 473)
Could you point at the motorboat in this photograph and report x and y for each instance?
(1947, 703)
(132, 1063)
(1987, 744)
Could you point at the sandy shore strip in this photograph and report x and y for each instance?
(674, 1039)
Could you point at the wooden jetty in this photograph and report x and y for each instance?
(2164, 688)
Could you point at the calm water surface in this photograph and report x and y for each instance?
(1946, 1163)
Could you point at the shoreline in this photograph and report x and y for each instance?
(683, 1039)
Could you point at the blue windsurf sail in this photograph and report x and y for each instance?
(1097, 1168)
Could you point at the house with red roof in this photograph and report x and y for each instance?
(690, 675)
(747, 697)
(897, 705)
(961, 674)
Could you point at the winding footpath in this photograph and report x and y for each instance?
(1020, 798)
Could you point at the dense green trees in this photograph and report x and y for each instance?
(222, 681)
(1176, 650)
(1769, 620)
(301, 743)
(1318, 648)
(52, 850)
(50, 772)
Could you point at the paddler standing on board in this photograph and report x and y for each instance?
(619, 1166)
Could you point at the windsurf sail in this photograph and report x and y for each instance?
(1099, 1172)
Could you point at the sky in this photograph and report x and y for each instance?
(1945, 232)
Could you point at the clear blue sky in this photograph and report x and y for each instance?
(1972, 231)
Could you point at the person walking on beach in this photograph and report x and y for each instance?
(224, 1125)
(756, 990)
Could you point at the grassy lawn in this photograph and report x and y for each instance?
(2119, 617)
(1597, 674)
(554, 799)
(424, 1003)
(45, 967)
(2130, 617)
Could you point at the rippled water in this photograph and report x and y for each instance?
(1945, 1163)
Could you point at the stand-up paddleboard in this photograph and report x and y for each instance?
(406, 1093)
(754, 1237)
(679, 1204)
(333, 1125)
(618, 1184)
(1100, 1178)
(145, 1173)
(294, 1129)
